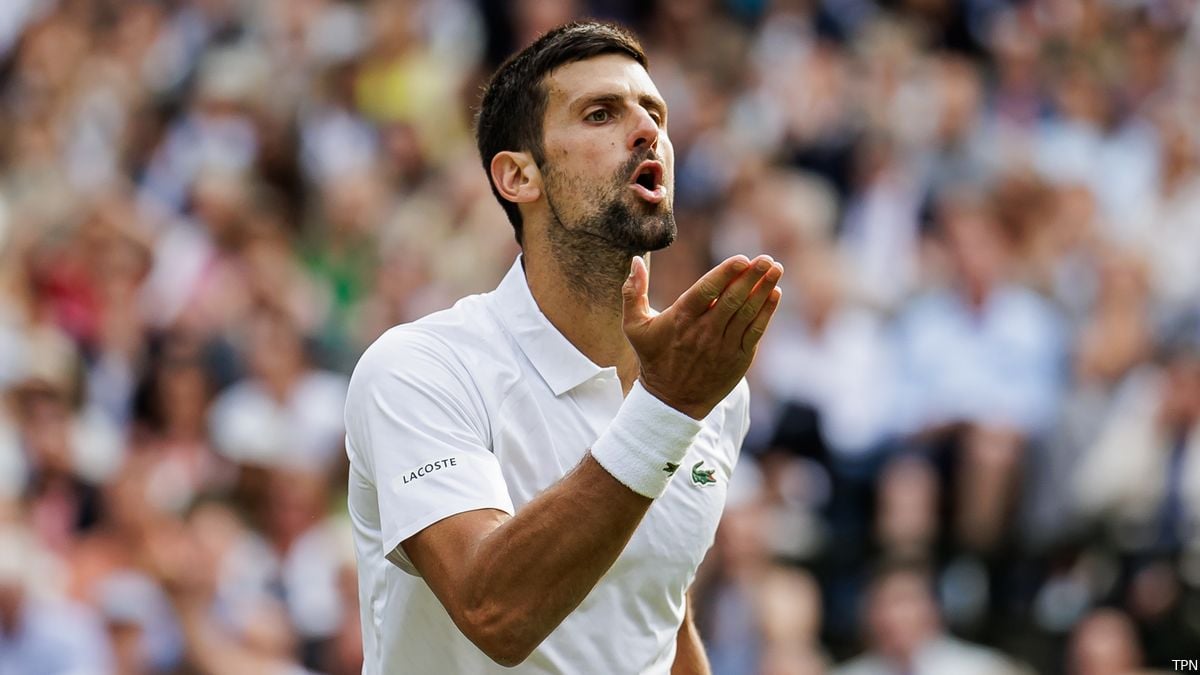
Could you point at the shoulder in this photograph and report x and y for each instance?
(445, 343)
(454, 362)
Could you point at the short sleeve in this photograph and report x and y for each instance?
(417, 425)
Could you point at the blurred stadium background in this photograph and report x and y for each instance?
(975, 426)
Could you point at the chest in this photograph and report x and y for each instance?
(538, 438)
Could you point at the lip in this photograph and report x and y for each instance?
(660, 190)
(653, 196)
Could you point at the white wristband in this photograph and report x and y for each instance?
(645, 442)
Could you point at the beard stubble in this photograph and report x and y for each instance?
(593, 248)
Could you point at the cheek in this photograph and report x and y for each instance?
(584, 169)
(585, 154)
(668, 154)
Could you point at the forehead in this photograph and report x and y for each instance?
(601, 75)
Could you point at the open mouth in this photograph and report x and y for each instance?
(648, 182)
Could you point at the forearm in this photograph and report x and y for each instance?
(521, 576)
(528, 574)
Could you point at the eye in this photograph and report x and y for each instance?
(657, 117)
(598, 115)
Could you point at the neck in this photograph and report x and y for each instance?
(580, 293)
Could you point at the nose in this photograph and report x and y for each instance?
(644, 134)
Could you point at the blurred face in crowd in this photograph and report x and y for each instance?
(789, 606)
(45, 424)
(219, 202)
(276, 349)
(901, 615)
(183, 392)
(1105, 644)
(608, 164)
(959, 87)
(976, 249)
(295, 503)
(792, 660)
(906, 511)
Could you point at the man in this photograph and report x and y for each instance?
(41, 634)
(906, 634)
(513, 484)
(1105, 642)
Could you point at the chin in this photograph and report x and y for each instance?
(655, 224)
(660, 235)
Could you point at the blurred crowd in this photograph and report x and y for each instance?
(976, 420)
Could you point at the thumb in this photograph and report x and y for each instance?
(636, 307)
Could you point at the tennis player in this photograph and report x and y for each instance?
(536, 472)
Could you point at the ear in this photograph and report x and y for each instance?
(516, 177)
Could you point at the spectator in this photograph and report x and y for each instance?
(906, 635)
(1153, 435)
(205, 568)
(980, 367)
(42, 635)
(1167, 225)
(1105, 643)
(287, 412)
(826, 355)
(140, 622)
(790, 620)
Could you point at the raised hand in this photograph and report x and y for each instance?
(695, 352)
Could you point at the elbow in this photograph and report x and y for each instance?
(503, 634)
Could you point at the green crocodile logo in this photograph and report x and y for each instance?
(671, 468)
(703, 476)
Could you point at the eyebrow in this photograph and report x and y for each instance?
(648, 101)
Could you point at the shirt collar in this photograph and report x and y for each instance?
(560, 364)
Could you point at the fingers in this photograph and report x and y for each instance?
(697, 299)
(736, 294)
(746, 313)
(636, 306)
(757, 327)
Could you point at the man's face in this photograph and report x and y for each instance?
(901, 615)
(608, 169)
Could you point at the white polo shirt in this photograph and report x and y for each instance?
(484, 405)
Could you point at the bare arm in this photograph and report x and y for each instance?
(507, 582)
(690, 658)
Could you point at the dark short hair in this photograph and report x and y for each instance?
(514, 100)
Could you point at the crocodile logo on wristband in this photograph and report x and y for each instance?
(703, 477)
(671, 468)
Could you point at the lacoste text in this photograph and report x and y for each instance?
(429, 468)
